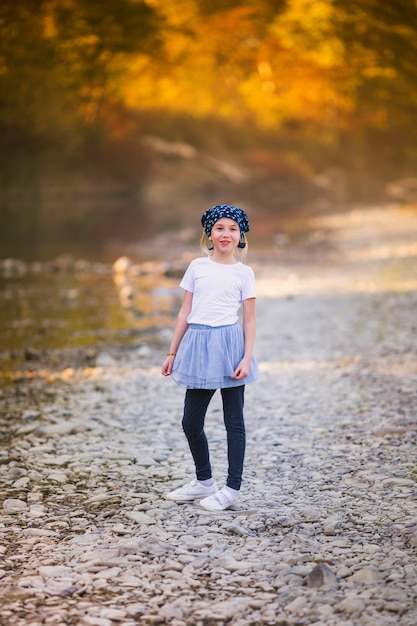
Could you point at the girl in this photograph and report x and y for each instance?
(210, 350)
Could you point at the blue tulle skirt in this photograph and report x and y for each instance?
(208, 356)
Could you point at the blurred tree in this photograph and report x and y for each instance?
(319, 82)
(57, 63)
(325, 66)
(211, 50)
(56, 58)
(380, 51)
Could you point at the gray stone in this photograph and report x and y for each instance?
(326, 528)
(367, 574)
(321, 576)
(14, 505)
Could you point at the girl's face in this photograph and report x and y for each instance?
(225, 235)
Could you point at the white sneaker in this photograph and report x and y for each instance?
(219, 501)
(193, 491)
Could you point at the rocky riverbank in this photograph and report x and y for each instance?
(326, 529)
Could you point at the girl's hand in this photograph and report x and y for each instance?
(242, 370)
(167, 365)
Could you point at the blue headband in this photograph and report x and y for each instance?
(211, 216)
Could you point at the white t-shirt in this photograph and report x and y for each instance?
(218, 290)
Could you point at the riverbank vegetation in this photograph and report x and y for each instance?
(270, 103)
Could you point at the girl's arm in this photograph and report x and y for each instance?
(179, 332)
(249, 332)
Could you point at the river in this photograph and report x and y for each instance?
(49, 310)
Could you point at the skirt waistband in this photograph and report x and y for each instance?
(206, 327)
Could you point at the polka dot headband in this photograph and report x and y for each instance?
(211, 216)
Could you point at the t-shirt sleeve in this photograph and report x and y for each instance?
(187, 281)
(249, 285)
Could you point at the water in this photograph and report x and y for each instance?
(53, 312)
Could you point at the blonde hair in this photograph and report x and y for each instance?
(240, 253)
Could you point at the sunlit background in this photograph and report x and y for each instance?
(125, 118)
(122, 121)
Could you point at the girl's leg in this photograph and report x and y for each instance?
(195, 408)
(233, 401)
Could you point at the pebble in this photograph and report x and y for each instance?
(321, 575)
(325, 532)
(13, 505)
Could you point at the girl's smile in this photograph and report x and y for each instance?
(225, 235)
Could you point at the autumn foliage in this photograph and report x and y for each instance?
(321, 83)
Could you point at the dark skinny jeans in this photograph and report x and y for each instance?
(195, 408)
